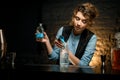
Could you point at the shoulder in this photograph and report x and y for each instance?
(88, 31)
(89, 34)
(67, 28)
(94, 36)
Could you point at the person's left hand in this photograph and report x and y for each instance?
(58, 43)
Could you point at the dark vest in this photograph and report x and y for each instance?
(84, 39)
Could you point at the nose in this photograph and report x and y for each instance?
(79, 22)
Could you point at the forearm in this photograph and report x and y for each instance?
(49, 47)
(73, 59)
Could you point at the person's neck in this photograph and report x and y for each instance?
(76, 33)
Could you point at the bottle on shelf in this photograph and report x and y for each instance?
(115, 53)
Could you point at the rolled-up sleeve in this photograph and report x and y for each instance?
(89, 51)
(56, 51)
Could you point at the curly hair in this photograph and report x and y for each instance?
(88, 10)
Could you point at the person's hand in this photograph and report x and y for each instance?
(58, 43)
(44, 39)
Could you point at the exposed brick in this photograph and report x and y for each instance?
(106, 24)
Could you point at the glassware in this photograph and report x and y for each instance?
(64, 61)
(115, 58)
(40, 31)
(10, 59)
(103, 59)
(115, 53)
(3, 46)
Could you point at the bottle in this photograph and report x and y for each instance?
(115, 53)
(103, 66)
(64, 61)
(40, 31)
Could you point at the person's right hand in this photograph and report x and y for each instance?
(44, 39)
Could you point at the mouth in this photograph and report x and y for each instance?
(77, 28)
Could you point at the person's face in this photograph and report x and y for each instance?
(80, 23)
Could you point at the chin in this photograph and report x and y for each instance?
(77, 32)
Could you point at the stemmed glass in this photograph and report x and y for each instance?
(103, 58)
(10, 59)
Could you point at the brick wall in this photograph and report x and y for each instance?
(58, 13)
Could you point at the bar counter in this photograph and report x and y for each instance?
(55, 72)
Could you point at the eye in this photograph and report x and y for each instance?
(84, 21)
(77, 18)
